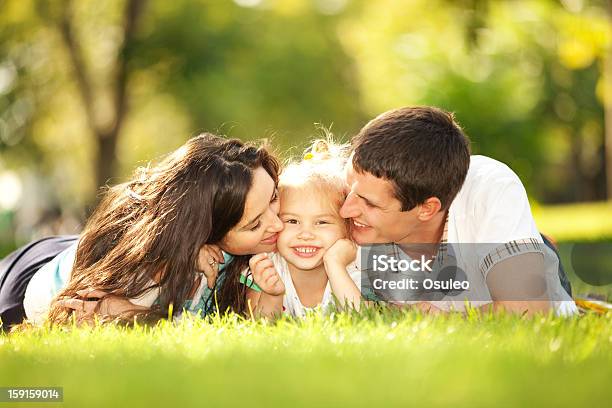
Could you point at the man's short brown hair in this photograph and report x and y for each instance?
(421, 150)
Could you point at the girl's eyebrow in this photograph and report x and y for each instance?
(323, 215)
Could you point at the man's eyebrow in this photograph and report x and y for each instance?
(368, 201)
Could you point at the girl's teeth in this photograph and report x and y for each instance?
(306, 250)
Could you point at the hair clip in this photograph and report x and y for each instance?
(308, 156)
(133, 195)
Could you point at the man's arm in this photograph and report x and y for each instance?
(518, 284)
(515, 272)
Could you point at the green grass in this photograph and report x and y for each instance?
(575, 222)
(569, 224)
(389, 358)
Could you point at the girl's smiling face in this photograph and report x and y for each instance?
(311, 225)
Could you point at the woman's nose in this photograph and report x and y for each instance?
(276, 225)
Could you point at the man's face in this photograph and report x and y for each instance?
(375, 212)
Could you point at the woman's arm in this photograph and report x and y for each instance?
(336, 260)
(102, 304)
(93, 302)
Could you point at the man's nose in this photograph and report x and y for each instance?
(350, 209)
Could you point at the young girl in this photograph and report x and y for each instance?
(315, 260)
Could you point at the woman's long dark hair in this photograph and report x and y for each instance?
(231, 293)
(152, 227)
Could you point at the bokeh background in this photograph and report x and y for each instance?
(91, 89)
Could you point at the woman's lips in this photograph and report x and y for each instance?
(306, 251)
(270, 240)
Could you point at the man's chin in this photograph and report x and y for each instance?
(357, 239)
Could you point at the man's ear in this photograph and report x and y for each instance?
(429, 209)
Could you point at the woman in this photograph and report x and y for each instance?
(156, 234)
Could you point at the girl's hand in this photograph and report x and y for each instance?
(265, 276)
(342, 252)
(209, 258)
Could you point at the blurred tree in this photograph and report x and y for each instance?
(273, 69)
(521, 77)
(105, 122)
(90, 89)
(607, 97)
(117, 77)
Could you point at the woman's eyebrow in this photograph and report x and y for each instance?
(254, 219)
(260, 214)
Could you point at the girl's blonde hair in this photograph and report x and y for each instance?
(321, 168)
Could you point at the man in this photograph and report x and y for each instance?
(412, 181)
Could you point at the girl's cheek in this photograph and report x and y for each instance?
(284, 235)
(341, 233)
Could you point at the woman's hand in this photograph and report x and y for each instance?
(209, 258)
(105, 305)
(341, 253)
(265, 275)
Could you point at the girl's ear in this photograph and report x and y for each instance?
(429, 208)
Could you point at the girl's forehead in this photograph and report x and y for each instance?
(294, 195)
(308, 200)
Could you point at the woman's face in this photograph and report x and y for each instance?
(258, 229)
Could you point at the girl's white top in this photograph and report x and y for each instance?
(292, 305)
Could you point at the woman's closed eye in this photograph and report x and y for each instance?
(273, 200)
